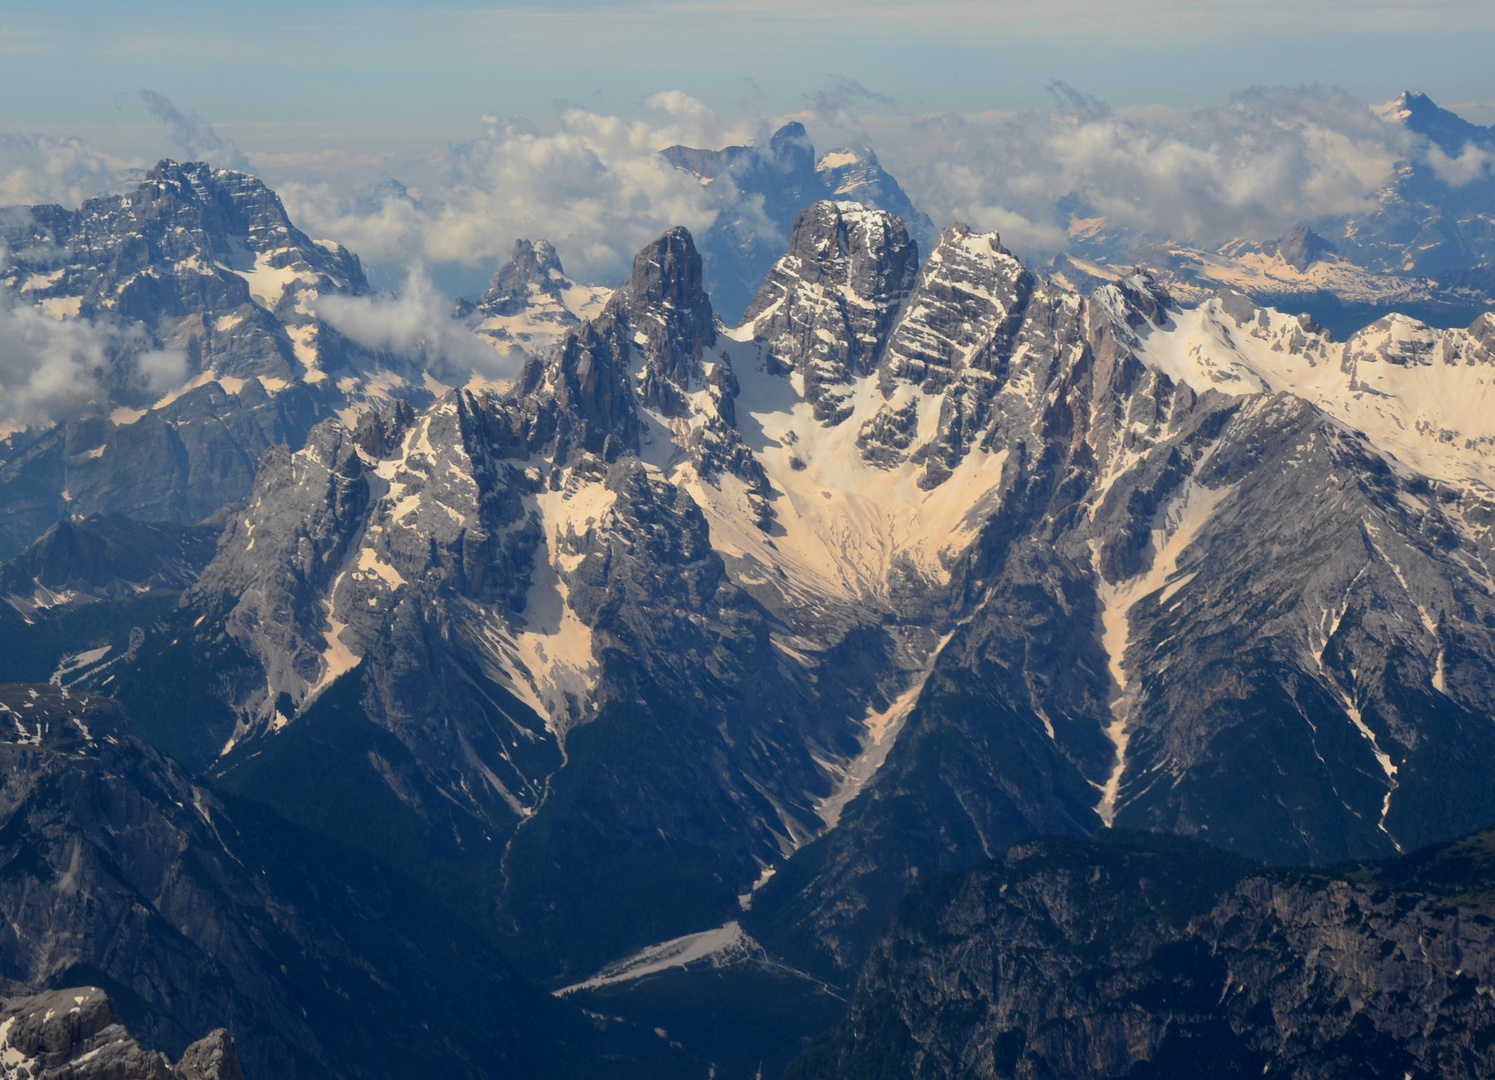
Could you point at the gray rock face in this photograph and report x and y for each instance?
(1137, 956)
(909, 566)
(855, 175)
(1301, 247)
(120, 870)
(828, 306)
(1128, 497)
(671, 318)
(75, 1033)
(971, 294)
(306, 515)
(707, 164)
(1422, 223)
(116, 866)
(212, 247)
(206, 265)
(169, 247)
(212, 1057)
(459, 555)
(104, 558)
(531, 303)
(534, 265)
(763, 190)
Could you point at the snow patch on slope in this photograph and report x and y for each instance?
(267, 283)
(557, 672)
(1424, 396)
(720, 946)
(879, 732)
(1181, 525)
(844, 527)
(543, 322)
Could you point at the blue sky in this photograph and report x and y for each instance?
(1164, 125)
(282, 74)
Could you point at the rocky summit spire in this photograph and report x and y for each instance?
(828, 306)
(534, 265)
(1301, 247)
(666, 304)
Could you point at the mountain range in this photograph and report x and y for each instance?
(657, 675)
(1425, 250)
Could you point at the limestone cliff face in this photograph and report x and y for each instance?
(76, 1034)
(1135, 955)
(195, 910)
(914, 563)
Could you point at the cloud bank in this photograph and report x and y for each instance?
(595, 186)
(49, 370)
(65, 170)
(1250, 168)
(414, 324)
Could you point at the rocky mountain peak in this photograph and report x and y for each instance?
(847, 245)
(1448, 130)
(203, 261)
(279, 557)
(667, 277)
(531, 302)
(666, 303)
(762, 189)
(790, 146)
(855, 174)
(653, 330)
(77, 1032)
(827, 307)
(707, 164)
(971, 295)
(104, 557)
(1301, 247)
(534, 267)
(586, 384)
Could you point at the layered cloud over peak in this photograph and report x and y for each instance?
(49, 369)
(1249, 168)
(49, 169)
(594, 185)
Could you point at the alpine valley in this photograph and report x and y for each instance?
(941, 667)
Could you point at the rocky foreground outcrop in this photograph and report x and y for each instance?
(76, 1034)
(1135, 955)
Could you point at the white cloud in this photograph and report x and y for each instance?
(415, 324)
(193, 135)
(1250, 168)
(1473, 163)
(594, 186)
(46, 169)
(162, 369)
(49, 370)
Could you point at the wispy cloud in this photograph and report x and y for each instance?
(47, 169)
(594, 185)
(49, 370)
(192, 134)
(414, 324)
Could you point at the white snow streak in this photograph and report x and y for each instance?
(1181, 525)
(720, 943)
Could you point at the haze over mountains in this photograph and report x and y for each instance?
(648, 644)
